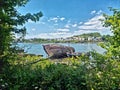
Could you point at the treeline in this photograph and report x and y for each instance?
(89, 37)
(96, 34)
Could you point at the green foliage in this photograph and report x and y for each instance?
(52, 76)
(106, 38)
(79, 73)
(105, 72)
(96, 34)
(10, 20)
(113, 21)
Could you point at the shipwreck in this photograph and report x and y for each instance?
(57, 50)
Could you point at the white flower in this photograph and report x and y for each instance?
(3, 85)
(36, 87)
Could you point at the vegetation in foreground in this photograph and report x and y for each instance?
(80, 73)
(99, 72)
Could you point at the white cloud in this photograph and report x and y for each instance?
(99, 12)
(56, 19)
(71, 25)
(62, 18)
(74, 25)
(80, 22)
(29, 21)
(33, 29)
(40, 22)
(51, 35)
(68, 21)
(63, 30)
(93, 24)
(96, 12)
(93, 12)
(67, 26)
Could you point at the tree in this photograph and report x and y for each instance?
(113, 21)
(10, 19)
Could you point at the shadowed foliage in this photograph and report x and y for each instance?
(10, 20)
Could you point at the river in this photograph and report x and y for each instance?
(37, 48)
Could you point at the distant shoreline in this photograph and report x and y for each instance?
(84, 38)
(61, 42)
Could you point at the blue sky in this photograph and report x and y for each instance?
(65, 18)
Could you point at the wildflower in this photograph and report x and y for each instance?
(36, 87)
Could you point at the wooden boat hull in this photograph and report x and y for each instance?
(57, 51)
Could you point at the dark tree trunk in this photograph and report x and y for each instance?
(1, 66)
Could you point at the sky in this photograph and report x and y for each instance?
(65, 18)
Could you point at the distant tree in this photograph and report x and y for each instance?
(10, 19)
(86, 35)
(113, 21)
(106, 38)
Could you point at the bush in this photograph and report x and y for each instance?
(54, 76)
(80, 73)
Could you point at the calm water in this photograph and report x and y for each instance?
(36, 48)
